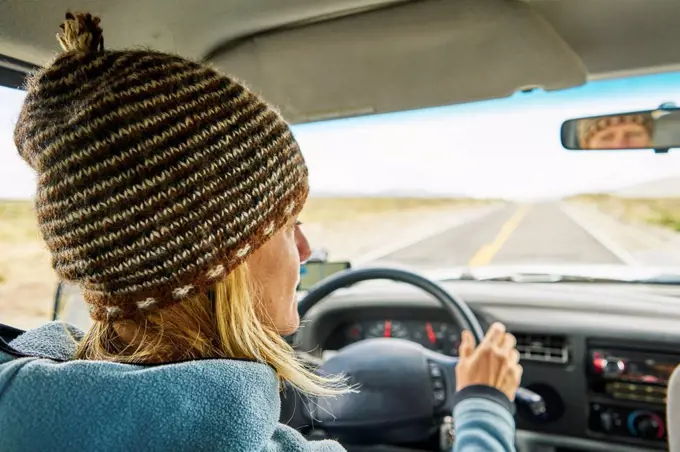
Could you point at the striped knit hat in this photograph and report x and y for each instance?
(157, 175)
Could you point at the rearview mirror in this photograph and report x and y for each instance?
(650, 129)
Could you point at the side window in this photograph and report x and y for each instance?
(27, 281)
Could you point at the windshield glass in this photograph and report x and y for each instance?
(482, 185)
(489, 183)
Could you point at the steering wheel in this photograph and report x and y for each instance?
(404, 388)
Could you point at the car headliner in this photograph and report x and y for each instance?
(321, 59)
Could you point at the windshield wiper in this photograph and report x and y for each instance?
(520, 277)
(540, 278)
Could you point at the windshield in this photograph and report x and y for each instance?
(489, 184)
(483, 185)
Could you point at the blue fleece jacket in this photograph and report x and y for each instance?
(48, 401)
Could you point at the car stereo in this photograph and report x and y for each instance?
(627, 391)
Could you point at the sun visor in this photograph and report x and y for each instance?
(410, 56)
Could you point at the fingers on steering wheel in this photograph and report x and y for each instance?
(467, 344)
(510, 368)
(509, 343)
(518, 371)
(514, 356)
(494, 335)
(497, 343)
(511, 379)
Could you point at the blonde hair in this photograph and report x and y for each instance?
(227, 323)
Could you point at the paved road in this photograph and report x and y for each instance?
(516, 234)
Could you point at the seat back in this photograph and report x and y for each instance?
(673, 411)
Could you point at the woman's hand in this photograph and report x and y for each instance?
(495, 362)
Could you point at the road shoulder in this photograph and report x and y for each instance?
(632, 242)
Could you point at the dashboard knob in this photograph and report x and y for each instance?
(645, 424)
(613, 367)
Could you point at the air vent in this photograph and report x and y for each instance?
(542, 347)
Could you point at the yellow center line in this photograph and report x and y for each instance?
(484, 255)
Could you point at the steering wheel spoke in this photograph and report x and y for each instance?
(442, 373)
(403, 389)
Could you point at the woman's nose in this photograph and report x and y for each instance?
(302, 244)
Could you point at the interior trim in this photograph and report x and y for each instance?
(634, 72)
(217, 50)
(528, 441)
(11, 78)
(13, 72)
(7, 62)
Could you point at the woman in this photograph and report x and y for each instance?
(170, 193)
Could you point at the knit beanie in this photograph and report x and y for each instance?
(156, 175)
(590, 126)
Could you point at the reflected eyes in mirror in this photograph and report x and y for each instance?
(650, 129)
(621, 136)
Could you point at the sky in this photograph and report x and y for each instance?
(505, 148)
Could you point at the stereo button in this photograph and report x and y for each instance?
(606, 421)
(613, 367)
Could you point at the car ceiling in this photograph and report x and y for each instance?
(321, 59)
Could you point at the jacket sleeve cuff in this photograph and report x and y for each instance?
(484, 392)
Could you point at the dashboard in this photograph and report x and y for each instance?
(442, 337)
(599, 354)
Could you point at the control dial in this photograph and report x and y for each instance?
(645, 424)
(613, 367)
(609, 366)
